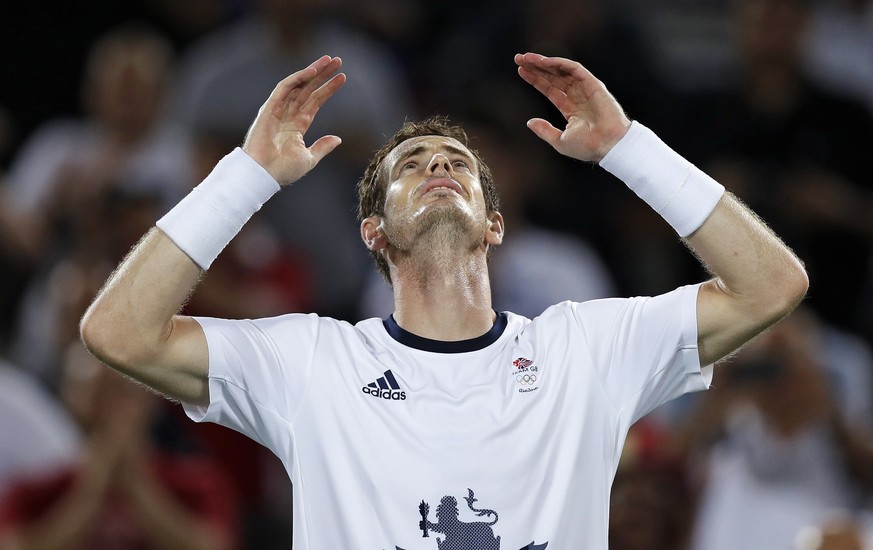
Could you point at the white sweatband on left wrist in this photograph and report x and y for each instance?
(205, 221)
(676, 189)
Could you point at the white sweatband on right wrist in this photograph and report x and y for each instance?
(676, 189)
(205, 221)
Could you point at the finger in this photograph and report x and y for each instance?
(563, 82)
(555, 95)
(322, 94)
(562, 65)
(559, 71)
(295, 80)
(545, 131)
(538, 81)
(322, 147)
(301, 95)
(555, 65)
(300, 84)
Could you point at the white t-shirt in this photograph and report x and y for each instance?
(510, 440)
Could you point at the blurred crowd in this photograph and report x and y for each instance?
(774, 98)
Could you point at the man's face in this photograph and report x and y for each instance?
(431, 180)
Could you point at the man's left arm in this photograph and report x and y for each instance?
(757, 282)
(757, 279)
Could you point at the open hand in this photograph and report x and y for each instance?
(595, 120)
(275, 139)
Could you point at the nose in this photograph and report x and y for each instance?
(439, 162)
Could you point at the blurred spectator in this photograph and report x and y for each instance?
(54, 300)
(64, 169)
(839, 47)
(797, 154)
(36, 432)
(7, 137)
(124, 492)
(782, 442)
(13, 271)
(841, 533)
(651, 507)
(185, 22)
(223, 81)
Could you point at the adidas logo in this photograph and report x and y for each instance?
(385, 387)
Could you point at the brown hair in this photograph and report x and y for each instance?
(371, 187)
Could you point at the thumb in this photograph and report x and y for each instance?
(545, 131)
(323, 146)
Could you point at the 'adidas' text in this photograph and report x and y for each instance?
(385, 387)
(385, 394)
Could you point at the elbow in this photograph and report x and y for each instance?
(97, 335)
(798, 284)
(107, 339)
(792, 288)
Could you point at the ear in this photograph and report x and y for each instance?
(494, 233)
(372, 235)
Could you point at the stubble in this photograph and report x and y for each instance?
(436, 239)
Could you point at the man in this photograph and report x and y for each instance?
(385, 425)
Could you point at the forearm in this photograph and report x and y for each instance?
(745, 256)
(758, 279)
(133, 313)
(132, 324)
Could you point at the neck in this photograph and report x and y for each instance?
(442, 296)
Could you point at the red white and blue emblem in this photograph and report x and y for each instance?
(522, 362)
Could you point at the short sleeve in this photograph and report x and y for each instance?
(258, 374)
(644, 349)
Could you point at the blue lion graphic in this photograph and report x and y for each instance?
(460, 535)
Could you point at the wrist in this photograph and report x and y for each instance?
(615, 136)
(205, 221)
(676, 189)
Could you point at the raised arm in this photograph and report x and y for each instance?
(757, 279)
(133, 325)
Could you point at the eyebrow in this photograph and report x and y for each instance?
(418, 149)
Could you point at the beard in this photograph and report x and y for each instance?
(439, 234)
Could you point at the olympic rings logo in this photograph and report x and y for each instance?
(526, 379)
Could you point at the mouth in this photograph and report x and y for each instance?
(441, 184)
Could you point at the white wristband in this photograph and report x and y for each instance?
(676, 189)
(213, 212)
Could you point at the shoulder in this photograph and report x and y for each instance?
(289, 325)
(605, 310)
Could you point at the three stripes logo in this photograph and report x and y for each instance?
(385, 387)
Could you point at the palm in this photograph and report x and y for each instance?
(295, 156)
(276, 138)
(595, 121)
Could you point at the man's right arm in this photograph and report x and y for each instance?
(133, 324)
